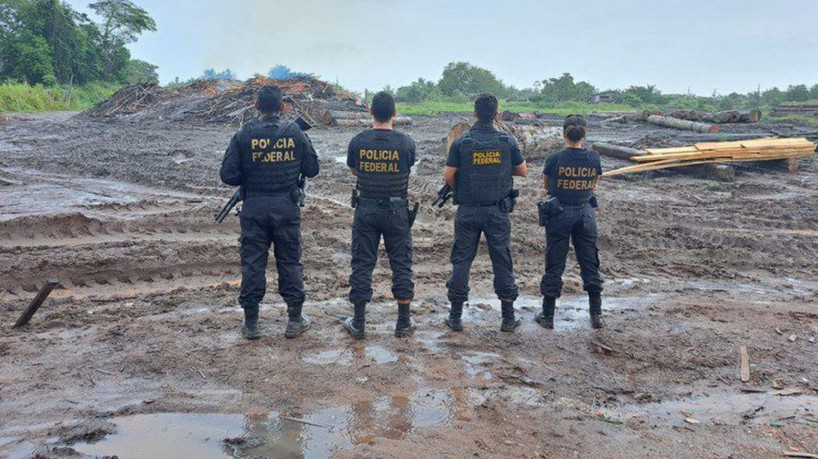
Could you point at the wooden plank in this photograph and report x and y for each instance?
(662, 151)
(745, 364)
(680, 156)
(32, 308)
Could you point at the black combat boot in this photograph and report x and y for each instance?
(356, 325)
(595, 301)
(454, 320)
(546, 317)
(405, 326)
(510, 322)
(250, 328)
(297, 323)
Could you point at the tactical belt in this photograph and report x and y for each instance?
(580, 204)
(284, 192)
(385, 203)
(496, 203)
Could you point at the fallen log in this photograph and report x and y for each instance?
(724, 117)
(365, 122)
(696, 138)
(667, 121)
(615, 151)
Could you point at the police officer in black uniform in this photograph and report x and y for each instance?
(480, 169)
(381, 159)
(570, 176)
(266, 158)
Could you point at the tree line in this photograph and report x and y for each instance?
(48, 42)
(462, 81)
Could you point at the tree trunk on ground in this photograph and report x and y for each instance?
(364, 122)
(667, 121)
(616, 151)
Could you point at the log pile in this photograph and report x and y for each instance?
(522, 117)
(719, 152)
(802, 109)
(725, 117)
(535, 142)
(356, 119)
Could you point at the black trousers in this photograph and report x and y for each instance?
(469, 224)
(371, 222)
(276, 221)
(577, 224)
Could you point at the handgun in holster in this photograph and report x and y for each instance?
(413, 214)
(547, 208)
(298, 194)
(508, 204)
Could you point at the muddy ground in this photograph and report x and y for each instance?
(138, 352)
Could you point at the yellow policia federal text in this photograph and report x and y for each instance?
(579, 172)
(486, 158)
(380, 161)
(273, 156)
(281, 144)
(283, 150)
(576, 185)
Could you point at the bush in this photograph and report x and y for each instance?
(18, 97)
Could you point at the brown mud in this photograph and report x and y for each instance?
(138, 352)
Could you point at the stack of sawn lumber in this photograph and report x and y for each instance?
(719, 152)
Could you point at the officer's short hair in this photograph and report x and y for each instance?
(383, 106)
(486, 106)
(575, 127)
(269, 99)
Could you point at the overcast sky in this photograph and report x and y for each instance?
(700, 45)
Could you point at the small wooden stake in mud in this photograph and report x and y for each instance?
(745, 364)
(38, 301)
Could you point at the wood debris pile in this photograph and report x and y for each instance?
(130, 100)
(719, 152)
(224, 101)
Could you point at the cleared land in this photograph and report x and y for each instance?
(143, 335)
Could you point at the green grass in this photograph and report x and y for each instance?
(22, 98)
(432, 108)
(804, 120)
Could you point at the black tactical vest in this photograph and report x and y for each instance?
(271, 157)
(573, 178)
(383, 164)
(485, 173)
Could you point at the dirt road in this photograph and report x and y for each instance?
(138, 352)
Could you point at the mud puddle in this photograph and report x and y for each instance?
(725, 409)
(273, 434)
(358, 354)
(46, 193)
(572, 311)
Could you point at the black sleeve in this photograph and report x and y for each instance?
(412, 151)
(550, 165)
(598, 161)
(516, 154)
(231, 164)
(309, 162)
(454, 155)
(352, 155)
